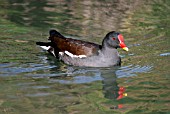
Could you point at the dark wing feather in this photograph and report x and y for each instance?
(74, 46)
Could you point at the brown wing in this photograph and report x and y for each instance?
(76, 47)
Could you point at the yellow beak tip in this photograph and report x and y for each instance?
(125, 94)
(126, 49)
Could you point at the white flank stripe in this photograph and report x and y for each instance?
(69, 54)
(53, 53)
(74, 56)
(61, 53)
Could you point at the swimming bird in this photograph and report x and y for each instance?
(83, 53)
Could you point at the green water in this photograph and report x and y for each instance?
(33, 82)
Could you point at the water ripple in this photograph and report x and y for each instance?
(14, 69)
(78, 75)
(165, 54)
(128, 71)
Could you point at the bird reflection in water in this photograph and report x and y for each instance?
(111, 89)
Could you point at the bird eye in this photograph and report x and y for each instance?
(114, 38)
(117, 33)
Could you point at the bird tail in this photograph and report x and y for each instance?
(44, 45)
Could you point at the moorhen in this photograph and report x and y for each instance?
(82, 53)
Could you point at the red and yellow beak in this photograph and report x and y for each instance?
(122, 44)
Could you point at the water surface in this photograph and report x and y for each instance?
(34, 82)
